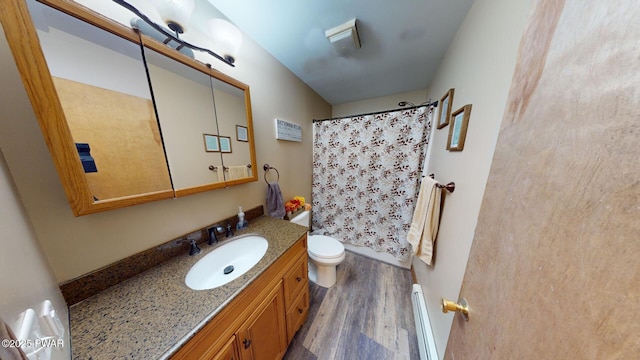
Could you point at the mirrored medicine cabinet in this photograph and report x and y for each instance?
(127, 120)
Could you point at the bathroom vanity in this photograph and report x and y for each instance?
(262, 320)
(155, 315)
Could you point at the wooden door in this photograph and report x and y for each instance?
(554, 270)
(228, 352)
(263, 335)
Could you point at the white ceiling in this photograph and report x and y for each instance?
(402, 40)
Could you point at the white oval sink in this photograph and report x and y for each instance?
(226, 263)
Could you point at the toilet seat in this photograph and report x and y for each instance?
(325, 247)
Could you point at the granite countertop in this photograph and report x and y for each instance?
(153, 314)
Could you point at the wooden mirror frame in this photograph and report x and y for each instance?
(23, 40)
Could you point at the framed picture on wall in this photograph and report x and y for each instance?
(242, 134)
(225, 144)
(458, 128)
(444, 110)
(211, 143)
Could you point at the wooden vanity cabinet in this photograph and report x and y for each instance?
(228, 352)
(296, 295)
(261, 321)
(263, 335)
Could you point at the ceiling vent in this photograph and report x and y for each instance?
(344, 38)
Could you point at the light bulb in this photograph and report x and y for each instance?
(226, 38)
(176, 13)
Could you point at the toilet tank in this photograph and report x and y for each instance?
(302, 218)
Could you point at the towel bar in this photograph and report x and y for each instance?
(450, 187)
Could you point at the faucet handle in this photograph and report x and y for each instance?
(194, 248)
(229, 230)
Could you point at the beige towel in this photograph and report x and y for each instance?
(220, 173)
(9, 352)
(238, 172)
(426, 220)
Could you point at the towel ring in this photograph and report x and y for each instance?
(266, 168)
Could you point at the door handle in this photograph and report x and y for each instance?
(462, 307)
(299, 278)
(246, 343)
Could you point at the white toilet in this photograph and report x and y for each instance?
(325, 253)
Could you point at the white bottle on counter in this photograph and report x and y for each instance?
(242, 223)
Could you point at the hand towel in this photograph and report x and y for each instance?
(238, 172)
(275, 202)
(220, 173)
(426, 220)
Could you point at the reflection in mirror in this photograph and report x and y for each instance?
(101, 83)
(231, 111)
(185, 107)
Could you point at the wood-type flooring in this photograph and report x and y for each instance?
(367, 315)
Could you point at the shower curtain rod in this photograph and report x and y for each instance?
(434, 104)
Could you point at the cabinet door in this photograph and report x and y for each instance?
(263, 335)
(295, 281)
(228, 352)
(189, 131)
(297, 314)
(89, 91)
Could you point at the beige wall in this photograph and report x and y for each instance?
(26, 278)
(479, 64)
(379, 104)
(77, 245)
(25, 275)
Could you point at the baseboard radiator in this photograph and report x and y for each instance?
(426, 342)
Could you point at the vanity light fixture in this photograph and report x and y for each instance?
(175, 13)
(226, 38)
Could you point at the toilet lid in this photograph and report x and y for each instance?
(325, 247)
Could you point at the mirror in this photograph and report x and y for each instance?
(185, 106)
(205, 117)
(100, 81)
(233, 124)
(98, 116)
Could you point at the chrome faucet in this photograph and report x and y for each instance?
(213, 233)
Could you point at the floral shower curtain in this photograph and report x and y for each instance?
(366, 176)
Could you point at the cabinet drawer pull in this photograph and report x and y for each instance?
(300, 310)
(246, 343)
(299, 278)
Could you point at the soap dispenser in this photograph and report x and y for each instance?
(242, 223)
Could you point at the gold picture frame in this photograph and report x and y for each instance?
(458, 128)
(444, 108)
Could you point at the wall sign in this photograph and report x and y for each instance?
(288, 131)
